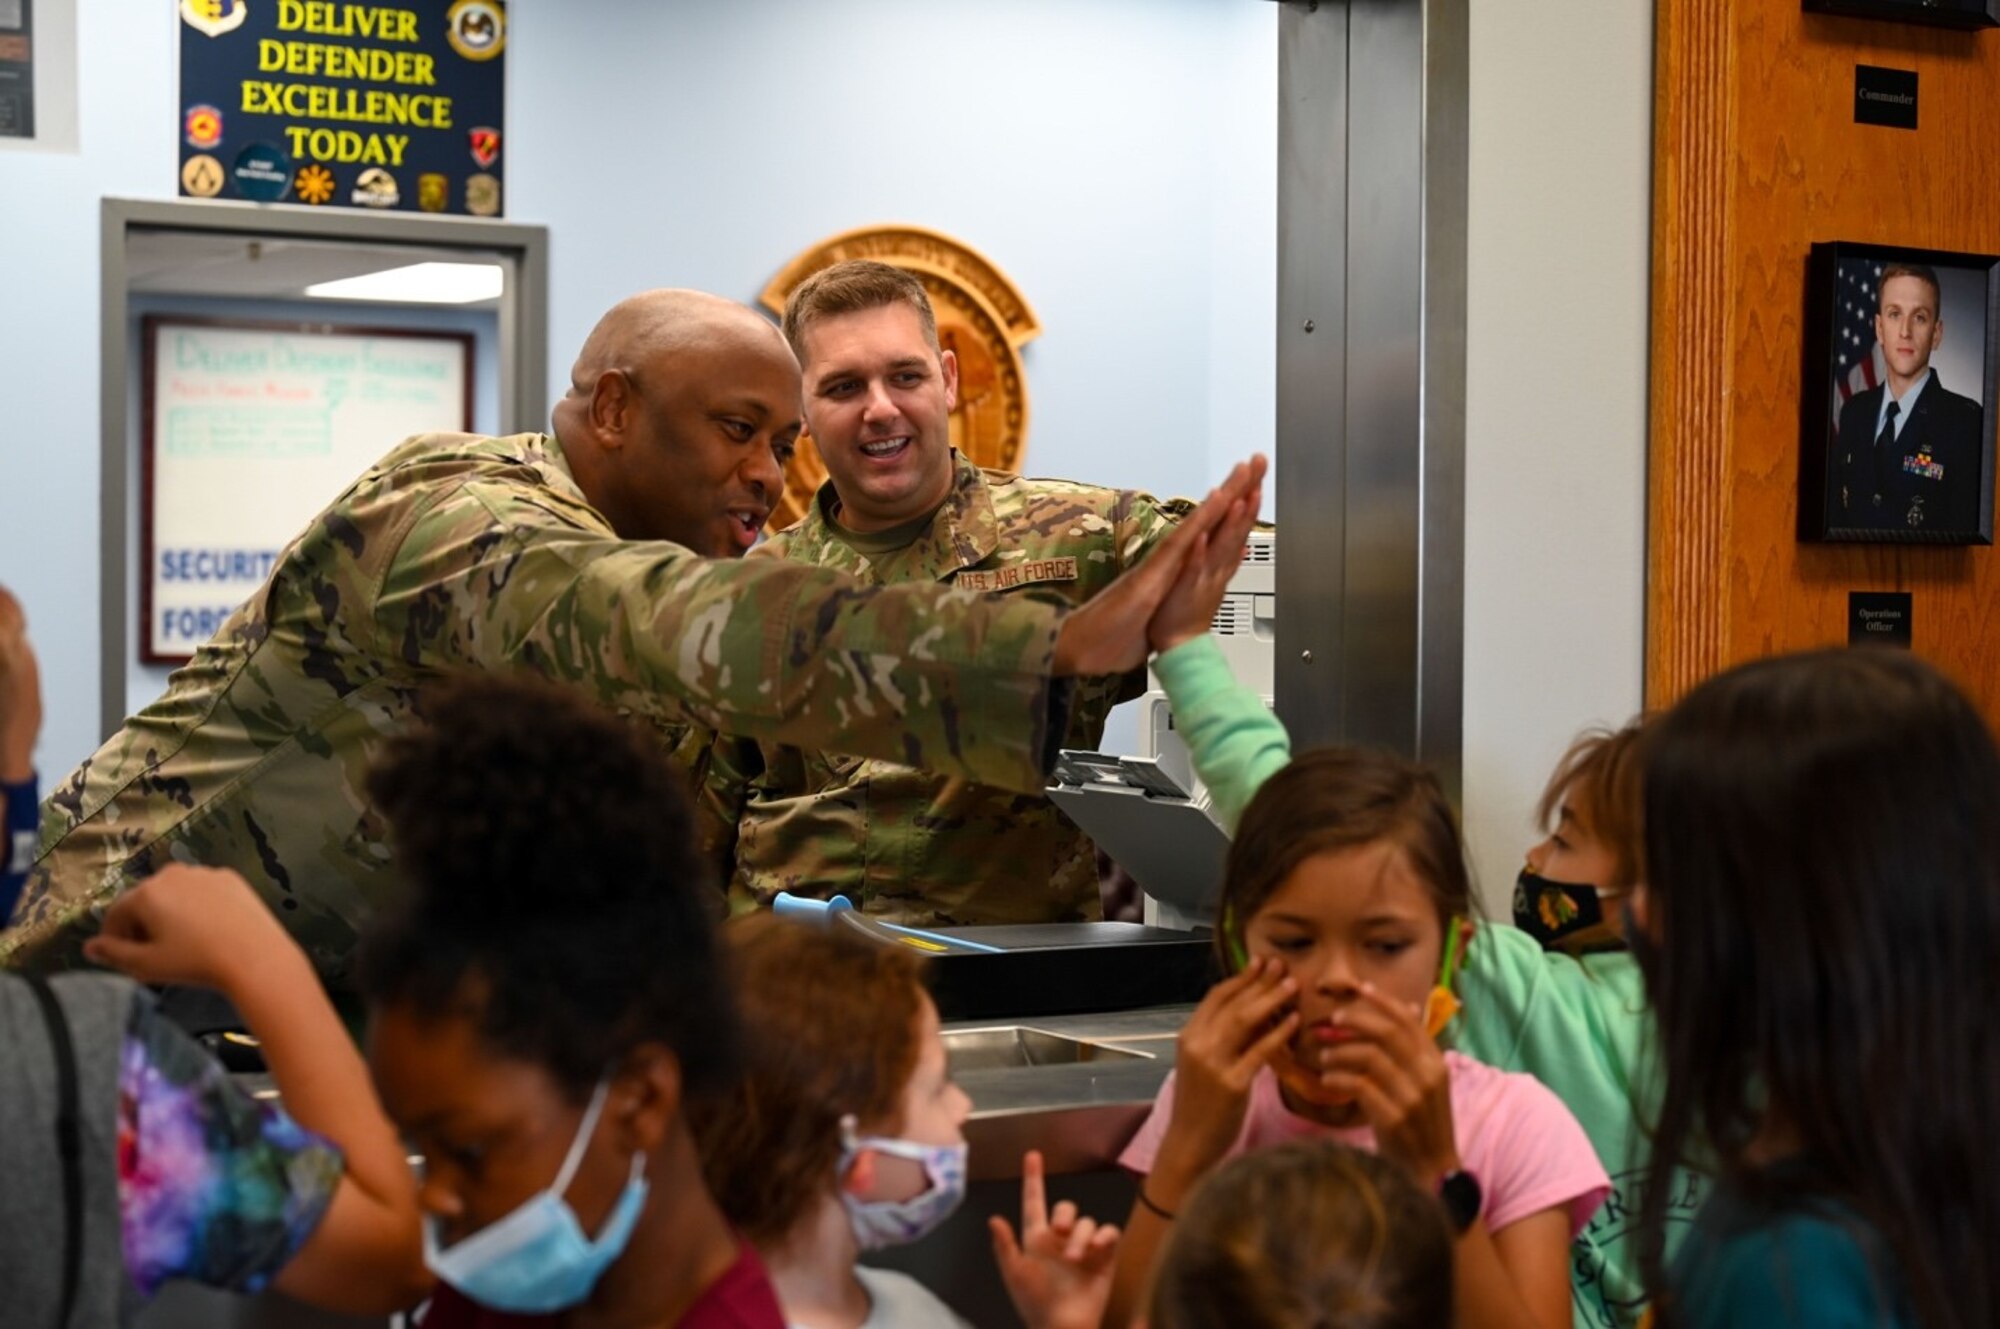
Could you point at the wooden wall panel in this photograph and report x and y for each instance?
(1757, 157)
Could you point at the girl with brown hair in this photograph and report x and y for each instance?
(846, 1134)
(1308, 1235)
(1344, 907)
(1561, 1000)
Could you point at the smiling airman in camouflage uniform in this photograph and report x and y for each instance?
(901, 505)
(459, 551)
(904, 843)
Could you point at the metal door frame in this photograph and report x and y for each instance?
(523, 353)
(1372, 127)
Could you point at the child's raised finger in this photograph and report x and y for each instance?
(1103, 1244)
(1079, 1241)
(1034, 1195)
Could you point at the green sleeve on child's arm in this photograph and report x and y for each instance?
(1235, 741)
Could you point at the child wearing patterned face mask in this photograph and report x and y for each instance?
(845, 1134)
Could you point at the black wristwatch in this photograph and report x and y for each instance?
(1459, 1192)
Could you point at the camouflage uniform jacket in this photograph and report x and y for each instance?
(458, 551)
(907, 844)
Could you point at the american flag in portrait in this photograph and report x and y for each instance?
(1857, 360)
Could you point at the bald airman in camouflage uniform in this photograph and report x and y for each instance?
(901, 842)
(902, 506)
(548, 553)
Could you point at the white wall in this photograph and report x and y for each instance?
(1560, 204)
(1115, 157)
(127, 114)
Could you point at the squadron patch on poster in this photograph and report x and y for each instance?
(482, 195)
(485, 144)
(477, 29)
(214, 17)
(263, 173)
(376, 188)
(201, 176)
(202, 126)
(314, 184)
(433, 191)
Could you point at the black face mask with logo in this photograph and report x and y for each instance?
(1550, 911)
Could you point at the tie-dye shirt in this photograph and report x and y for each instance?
(214, 1185)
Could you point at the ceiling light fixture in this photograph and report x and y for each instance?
(418, 283)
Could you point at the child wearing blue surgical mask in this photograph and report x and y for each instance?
(545, 1004)
(846, 1135)
(1555, 996)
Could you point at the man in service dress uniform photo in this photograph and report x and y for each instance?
(1908, 450)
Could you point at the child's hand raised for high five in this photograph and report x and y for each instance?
(1059, 1274)
(1189, 608)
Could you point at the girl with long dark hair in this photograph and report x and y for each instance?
(1823, 902)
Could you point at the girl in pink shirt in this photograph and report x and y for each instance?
(1346, 899)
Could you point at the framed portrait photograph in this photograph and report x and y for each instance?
(1900, 400)
(1936, 13)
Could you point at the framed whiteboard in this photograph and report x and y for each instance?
(248, 430)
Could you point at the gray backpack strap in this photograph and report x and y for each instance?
(69, 1142)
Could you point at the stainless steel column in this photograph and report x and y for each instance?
(1371, 373)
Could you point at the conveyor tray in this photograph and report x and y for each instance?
(1042, 969)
